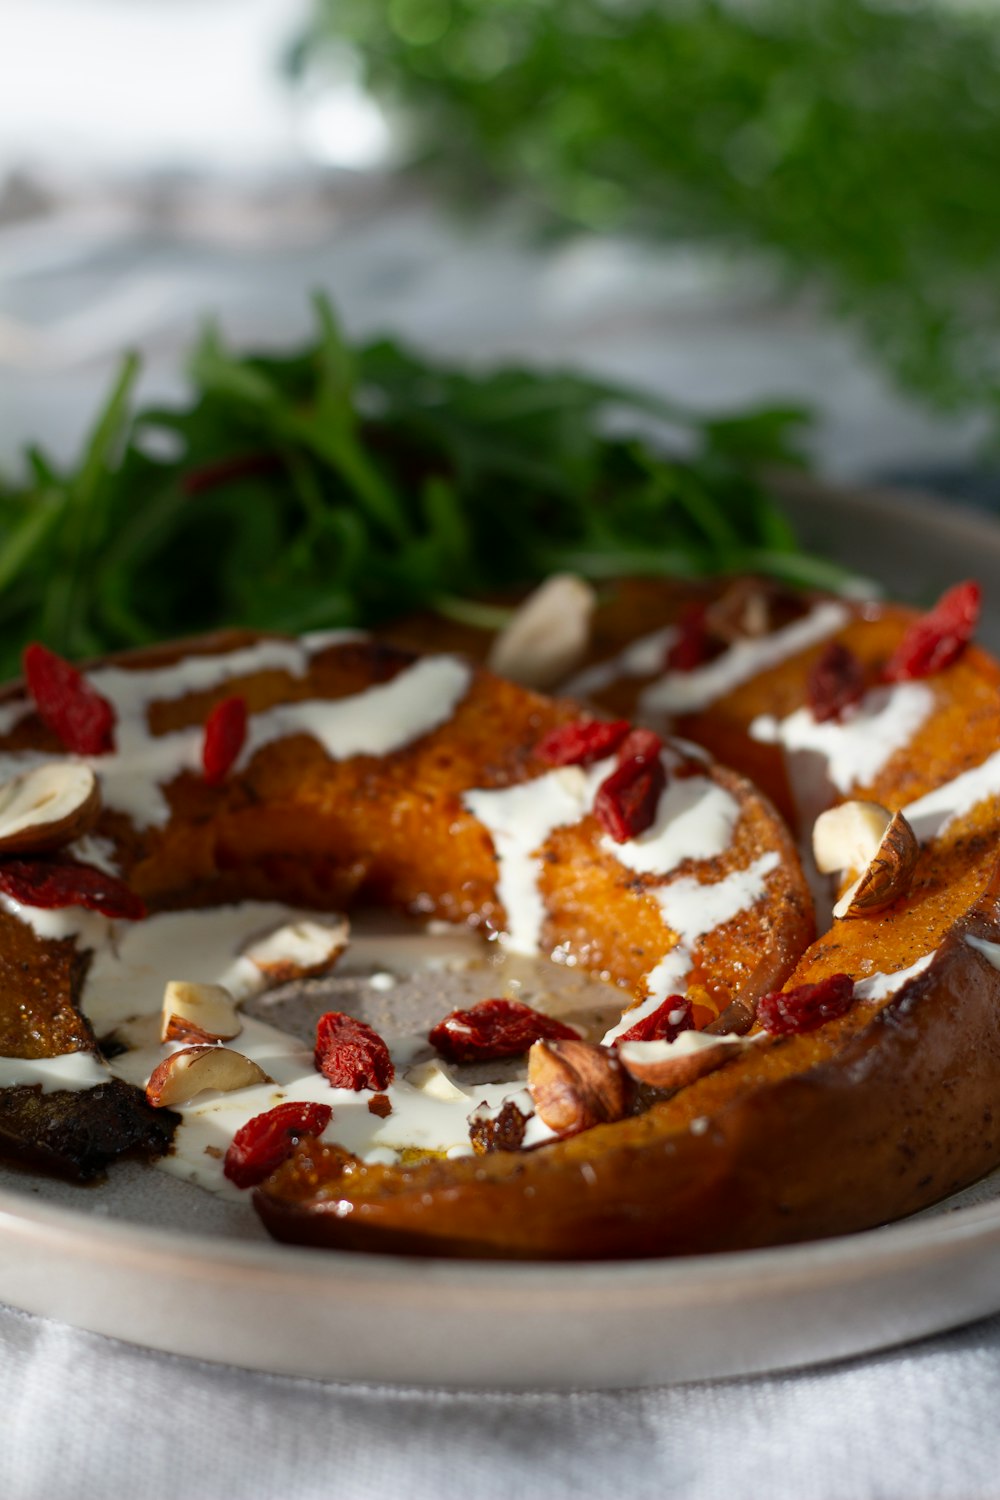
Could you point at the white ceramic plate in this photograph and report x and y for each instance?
(217, 1289)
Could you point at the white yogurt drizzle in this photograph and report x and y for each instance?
(641, 658)
(990, 951)
(855, 750)
(377, 721)
(881, 986)
(692, 909)
(70, 1071)
(689, 692)
(694, 819)
(933, 815)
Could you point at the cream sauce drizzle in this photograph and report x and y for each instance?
(934, 814)
(881, 986)
(688, 692)
(690, 910)
(378, 720)
(857, 749)
(694, 819)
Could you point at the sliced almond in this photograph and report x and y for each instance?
(194, 1070)
(198, 1013)
(575, 1085)
(549, 635)
(47, 807)
(673, 1065)
(866, 836)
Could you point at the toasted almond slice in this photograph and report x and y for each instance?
(194, 1070)
(47, 807)
(575, 1085)
(198, 1013)
(672, 1065)
(548, 636)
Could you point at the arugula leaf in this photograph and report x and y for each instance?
(340, 485)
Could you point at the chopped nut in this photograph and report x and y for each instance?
(193, 1070)
(300, 949)
(198, 1013)
(576, 1085)
(296, 950)
(548, 636)
(672, 1065)
(381, 1105)
(887, 876)
(865, 836)
(434, 1081)
(750, 608)
(48, 807)
(847, 837)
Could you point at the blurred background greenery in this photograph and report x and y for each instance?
(855, 143)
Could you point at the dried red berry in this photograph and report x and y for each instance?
(806, 1008)
(640, 744)
(73, 710)
(494, 1029)
(582, 742)
(836, 682)
(225, 734)
(934, 641)
(54, 883)
(267, 1140)
(666, 1022)
(693, 645)
(350, 1054)
(626, 801)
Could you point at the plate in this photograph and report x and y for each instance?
(79, 1255)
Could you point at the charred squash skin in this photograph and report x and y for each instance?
(873, 1116)
(392, 830)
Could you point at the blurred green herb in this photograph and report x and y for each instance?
(343, 486)
(855, 140)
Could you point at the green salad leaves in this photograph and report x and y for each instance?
(345, 486)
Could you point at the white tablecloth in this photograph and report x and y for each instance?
(90, 1419)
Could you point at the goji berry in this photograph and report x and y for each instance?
(264, 1142)
(581, 742)
(666, 1022)
(53, 883)
(836, 682)
(350, 1054)
(640, 744)
(225, 734)
(494, 1029)
(807, 1007)
(626, 801)
(693, 645)
(935, 640)
(66, 702)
